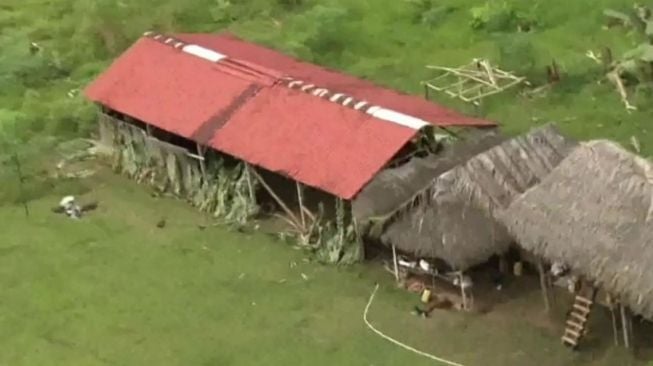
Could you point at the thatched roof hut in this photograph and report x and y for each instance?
(394, 187)
(594, 213)
(452, 219)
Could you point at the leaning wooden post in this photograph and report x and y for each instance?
(300, 200)
(200, 153)
(278, 200)
(395, 262)
(544, 285)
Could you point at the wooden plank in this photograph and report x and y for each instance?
(584, 300)
(581, 308)
(571, 341)
(573, 324)
(580, 317)
(572, 332)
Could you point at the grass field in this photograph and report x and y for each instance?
(113, 289)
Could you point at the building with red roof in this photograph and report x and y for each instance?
(321, 128)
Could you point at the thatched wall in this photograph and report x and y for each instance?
(454, 218)
(594, 212)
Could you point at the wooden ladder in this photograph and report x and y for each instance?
(577, 319)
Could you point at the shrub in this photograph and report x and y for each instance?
(516, 53)
(499, 16)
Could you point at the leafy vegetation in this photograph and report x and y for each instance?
(51, 50)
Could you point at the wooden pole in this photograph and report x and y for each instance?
(462, 290)
(395, 262)
(200, 152)
(250, 185)
(615, 329)
(624, 324)
(300, 200)
(544, 285)
(279, 200)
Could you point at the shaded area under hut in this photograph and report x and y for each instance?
(451, 219)
(593, 214)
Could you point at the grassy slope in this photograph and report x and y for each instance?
(114, 289)
(381, 40)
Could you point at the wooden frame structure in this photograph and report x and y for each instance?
(472, 82)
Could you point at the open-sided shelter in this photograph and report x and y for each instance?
(209, 93)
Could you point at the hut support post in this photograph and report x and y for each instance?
(462, 290)
(625, 324)
(615, 329)
(148, 129)
(544, 283)
(200, 152)
(300, 200)
(394, 261)
(291, 215)
(250, 184)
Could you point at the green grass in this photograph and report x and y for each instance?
(115, 289)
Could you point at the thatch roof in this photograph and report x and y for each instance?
(394, 187)
(594, 212)
(453, 218)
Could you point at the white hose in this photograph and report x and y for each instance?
(396, 342)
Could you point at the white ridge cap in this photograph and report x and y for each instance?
(204, 53)
(398, 118)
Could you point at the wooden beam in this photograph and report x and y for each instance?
(544, 286)
(279, 200)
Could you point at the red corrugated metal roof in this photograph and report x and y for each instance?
(160, 85)
(240, 106)
(318, 143)
(233, 46)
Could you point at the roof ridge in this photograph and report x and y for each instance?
(236, 67)
(361, 105)
(269, 77)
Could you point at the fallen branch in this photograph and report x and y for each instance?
(616, 80)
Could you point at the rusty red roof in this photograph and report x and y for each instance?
(233, 46)
(334, 136)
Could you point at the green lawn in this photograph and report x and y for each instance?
(114, 289)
